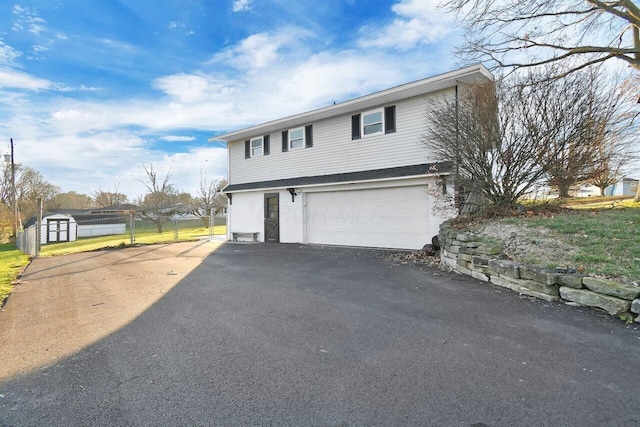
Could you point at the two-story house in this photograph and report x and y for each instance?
(356, 173)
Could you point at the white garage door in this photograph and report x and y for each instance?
(386, 218)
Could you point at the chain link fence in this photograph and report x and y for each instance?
(77, 232)
(26, 241)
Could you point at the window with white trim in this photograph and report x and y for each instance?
(372, 122)
(256, 147)
(296, 138)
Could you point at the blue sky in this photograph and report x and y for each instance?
(90, 90)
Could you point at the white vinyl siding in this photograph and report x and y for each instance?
(335, 152)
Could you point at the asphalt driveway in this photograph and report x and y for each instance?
(260, 334)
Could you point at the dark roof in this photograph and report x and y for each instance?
(72, 212)
(34, 219)
(111, 208)
(31, 221)
(100, 219)
(370, 175)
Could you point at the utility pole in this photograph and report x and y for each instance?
(14, 205)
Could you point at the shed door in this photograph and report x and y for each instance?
(397, 217)
(57, 230)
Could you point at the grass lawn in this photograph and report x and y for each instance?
(608, 240)
(12, 261)
(144, 236)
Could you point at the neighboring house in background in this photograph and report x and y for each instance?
(585, 190)
(354, 173)
(624, 187)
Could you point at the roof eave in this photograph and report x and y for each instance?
(473, 74)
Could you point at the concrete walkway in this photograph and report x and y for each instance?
(65, 303)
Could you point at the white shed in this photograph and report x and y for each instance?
(58, 228)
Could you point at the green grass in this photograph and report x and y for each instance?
(604, 200)
(607, 204)
(577, 202)
(608, 240)
(12, 261)
(144, 235)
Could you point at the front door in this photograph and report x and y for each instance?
(271, 217)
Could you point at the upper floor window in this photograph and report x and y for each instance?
(296, 138)
(256, 147)
(373, 122)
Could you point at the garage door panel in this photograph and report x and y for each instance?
(393, 218)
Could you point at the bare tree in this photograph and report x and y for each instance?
(30, 185)
(485, 132)
(162, 200)
(608, 174)
(593, 133)
(506, 140)
(70, 200)
(515, 34)
(103, 198)
(614, 153)
(524, 33)
(209, 200)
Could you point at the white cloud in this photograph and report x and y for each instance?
(82, 88)
(102, 160)
(313, 82)
(117, 45)
(8, 55)
(36, 29)
(18, 80)
(254, 52)
(263, 50)
(37, 52)
(241, 5)
(190, 88)
(178, 138)
(27, 17)
(418, 22)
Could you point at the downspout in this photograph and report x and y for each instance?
(456, 177)
(229, 197)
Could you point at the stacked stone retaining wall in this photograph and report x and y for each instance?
(465, 253)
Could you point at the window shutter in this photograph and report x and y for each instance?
(265, 144)
(355, 126)
(308, 136)
(247, 149)
(285, 140)
(390, 119)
